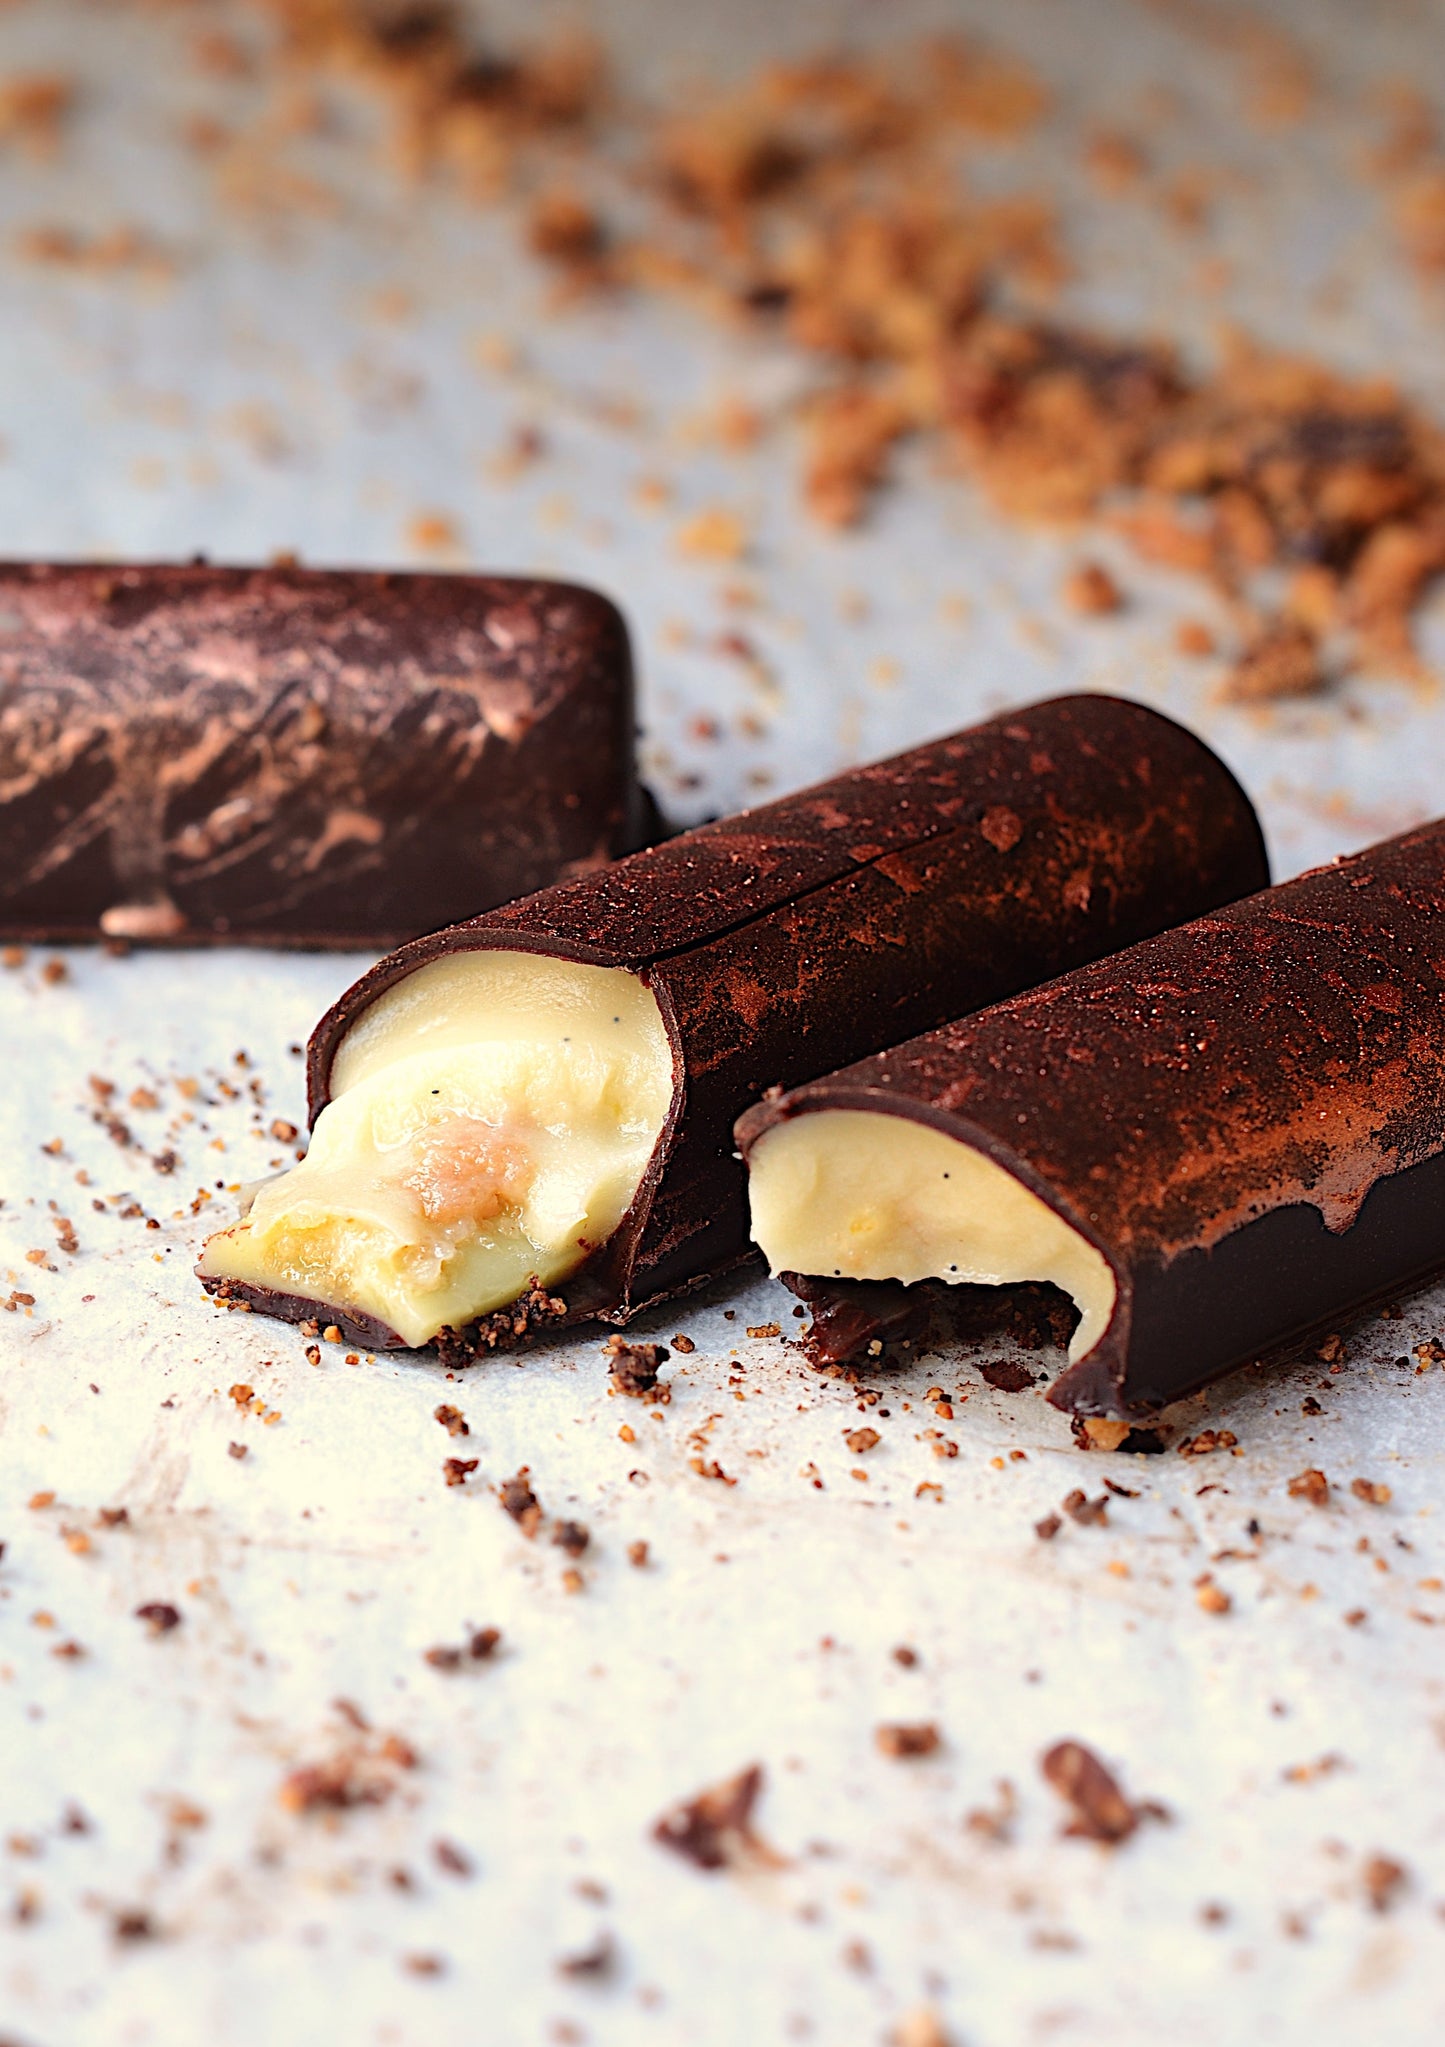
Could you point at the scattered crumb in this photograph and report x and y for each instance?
(1370, 1490)
(517, 1499)
(633, 1368)
(715, 1829)
(159, 1616)
(1383, 1879)
(1283, 660)
(1092, 591)
(904, 1738)
(363, 1772)
(714, 535)
(1101, 1811)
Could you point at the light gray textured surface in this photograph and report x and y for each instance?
(254, 402)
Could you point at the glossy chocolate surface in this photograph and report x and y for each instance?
(301, 757)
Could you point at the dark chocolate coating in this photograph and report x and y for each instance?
(791, 938)
(1245, 1116)
(301, 757)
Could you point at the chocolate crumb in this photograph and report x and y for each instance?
(1370, 1490)
(1208, 1441)
(1092, 591)
(361, 1774)
(452, 1420)
(1311, 1485)
(159, 1615)
(714, 1829)
(133, 1926)
(995, 1822)
(443, 1657)
(906, 1657)
(1384, 1879)
(455, 1861)
(1088, 1513)
(1006, 1376)
(1101, 1811)
(1048, 1528)
(483, 1643)
(518, 1500)
(591, 1962)
(633, 1368)
(236, 1450)
(684, 1345)
(905, 1738)
(637, 1555)
(457, 1470)
(572, 1537)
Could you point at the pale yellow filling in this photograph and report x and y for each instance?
(853, 1194)
(491, 1117)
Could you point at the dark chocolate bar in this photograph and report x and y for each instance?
(1218, 1142)
(759, 950)
(301, 757)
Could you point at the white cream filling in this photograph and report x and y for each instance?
(492, 1116)
(855, 1194)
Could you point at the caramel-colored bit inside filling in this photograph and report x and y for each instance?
(859, 1194)
(492, 1116)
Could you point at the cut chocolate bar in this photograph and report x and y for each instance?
(527, 1119)
(301, 757)
(1215, 1142)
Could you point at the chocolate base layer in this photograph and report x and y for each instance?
(1244, 1119)
(321, 758)
(352, 1327)
(884, 1322)
(789, 939)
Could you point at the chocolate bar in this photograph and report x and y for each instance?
(527, 1119)
(299, 757)
(1214, 1143)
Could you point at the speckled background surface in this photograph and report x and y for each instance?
(310, 378)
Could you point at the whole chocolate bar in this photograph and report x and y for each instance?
(301, 757)
(1216, 1142)
(527, 1119)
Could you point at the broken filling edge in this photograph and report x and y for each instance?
(491, 1119)
(852, 1195)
